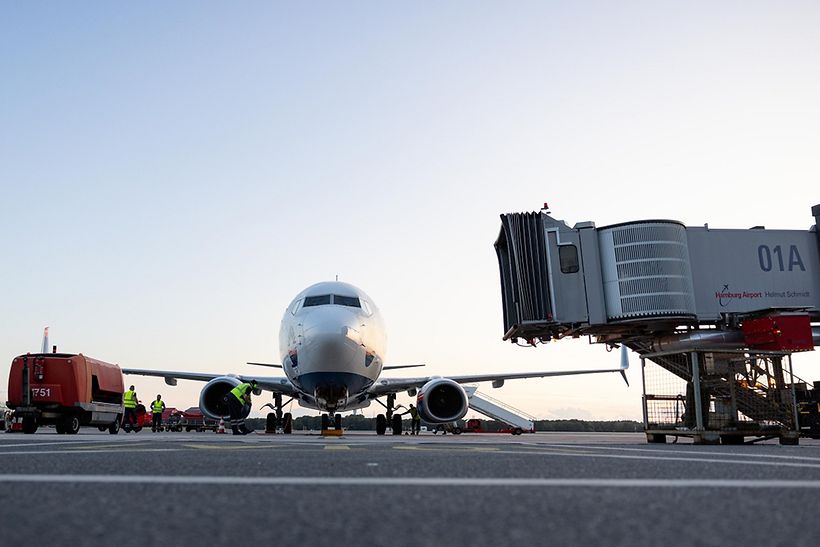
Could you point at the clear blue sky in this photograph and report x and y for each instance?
(171, 174)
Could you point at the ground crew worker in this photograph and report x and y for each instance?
(236, 399)
(415, 419)
(129, 401)
(157, 408)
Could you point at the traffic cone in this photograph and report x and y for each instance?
(221, 426)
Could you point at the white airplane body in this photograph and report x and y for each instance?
(332, 350)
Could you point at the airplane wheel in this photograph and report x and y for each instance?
(397, 425)
(287, 423)
(337, 422)
(325, 422)
(381, 424)
(271, 423)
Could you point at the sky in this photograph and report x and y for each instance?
(171, 175)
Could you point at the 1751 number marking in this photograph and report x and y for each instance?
(41, 392)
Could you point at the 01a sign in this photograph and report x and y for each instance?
(772, 258)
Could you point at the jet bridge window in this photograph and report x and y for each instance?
(568, 257)
(320, 300)
(351, 301)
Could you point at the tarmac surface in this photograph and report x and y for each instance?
(473, 489)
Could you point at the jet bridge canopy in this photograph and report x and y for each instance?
(648, 276)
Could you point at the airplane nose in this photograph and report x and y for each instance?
(333, 343)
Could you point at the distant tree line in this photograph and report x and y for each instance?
(358, 422)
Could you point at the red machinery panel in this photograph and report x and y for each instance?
(65, 379)
(779, 333)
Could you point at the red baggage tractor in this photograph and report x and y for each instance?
(66, 390)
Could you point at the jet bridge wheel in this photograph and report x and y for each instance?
(396, 424)
(381, 424)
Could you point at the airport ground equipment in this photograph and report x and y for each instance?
(142, 418)
(194, 420)
(808, 409)
(171, 418)
(518, 421)
(715, 314)
(66, 390)
(475, 425)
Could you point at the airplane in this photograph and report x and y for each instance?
(332, 346)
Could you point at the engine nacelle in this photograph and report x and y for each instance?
(442, 400)
(210, 398)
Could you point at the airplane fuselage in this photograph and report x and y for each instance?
(332, 346)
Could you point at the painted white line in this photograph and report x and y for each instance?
(63, 443)
(677, 451)
(89, 451)
(658, 458)
(411, 481)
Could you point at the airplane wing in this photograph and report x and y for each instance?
(276, 384)
(386, 386)
(394, 367)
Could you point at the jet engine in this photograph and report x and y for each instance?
(441, 400)
(210, 398)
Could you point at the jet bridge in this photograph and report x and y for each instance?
(681, 296)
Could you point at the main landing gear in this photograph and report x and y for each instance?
(388, 417)
(277, 421)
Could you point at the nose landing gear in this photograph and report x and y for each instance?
(276, 421)
(382, 420)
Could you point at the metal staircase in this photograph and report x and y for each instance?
(742, 393)
(498, 410)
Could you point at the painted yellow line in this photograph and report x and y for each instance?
(552, 450)
(95, 446)
(449, 448)
(336, 447)
(230, 447)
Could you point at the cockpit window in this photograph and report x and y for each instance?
(339, 300)
(351, 301)
(295, 306)
(320, 300)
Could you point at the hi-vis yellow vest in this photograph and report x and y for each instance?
(129, 400)
(240, 390)
(157, 406)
